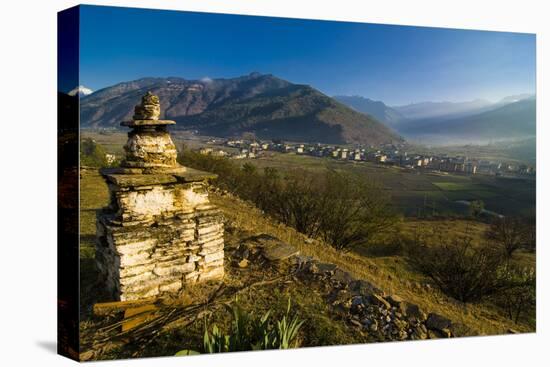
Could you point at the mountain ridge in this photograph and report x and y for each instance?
(262, 104)
(377, 109)
(512, 121)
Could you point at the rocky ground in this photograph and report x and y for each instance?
(361, 304)
(256, 265)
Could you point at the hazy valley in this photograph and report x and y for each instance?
(454, 123)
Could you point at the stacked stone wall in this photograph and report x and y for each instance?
(143, 252)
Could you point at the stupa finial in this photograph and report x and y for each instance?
(148, 109)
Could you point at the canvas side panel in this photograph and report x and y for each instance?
(67, 184)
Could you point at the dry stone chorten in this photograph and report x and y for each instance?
(159, 231)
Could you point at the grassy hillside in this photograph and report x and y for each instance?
(381, 263)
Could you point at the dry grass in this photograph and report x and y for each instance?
(392, 273)
(322, 326)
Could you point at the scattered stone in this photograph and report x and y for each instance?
(363, 287)
(439, 334)
(356, 301)
(302, 261)
(243, 263)
(323, 268)
(414, 312)
(437, 322)
(279, 252)
(395, 300)
(342, 276)
(380, 301)
(373, 326)
(418, 334)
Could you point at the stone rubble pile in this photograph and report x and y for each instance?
(364, 306)
(386, 318)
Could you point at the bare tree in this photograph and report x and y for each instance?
(510, 234)
(465, 272)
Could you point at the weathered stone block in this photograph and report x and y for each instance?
(173, 268)
(216, 273)
(135, 259)
(213, 257)
(171, 287)
(135, 247)
(135, 270)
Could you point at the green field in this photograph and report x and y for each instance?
(414, 192)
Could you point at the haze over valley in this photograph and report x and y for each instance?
(449, 123)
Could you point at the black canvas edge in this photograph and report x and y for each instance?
(68, 279)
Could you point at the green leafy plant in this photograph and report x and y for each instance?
(251, 333)
(286, 330)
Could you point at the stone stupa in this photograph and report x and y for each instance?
(159, 231)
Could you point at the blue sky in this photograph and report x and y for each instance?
(395, 64)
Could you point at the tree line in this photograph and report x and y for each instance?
(338, 207)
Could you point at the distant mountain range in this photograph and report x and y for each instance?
(262, 104)
(508, 121)
(476, 121)
(425, 110)
(376, 109)
(271, 108)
